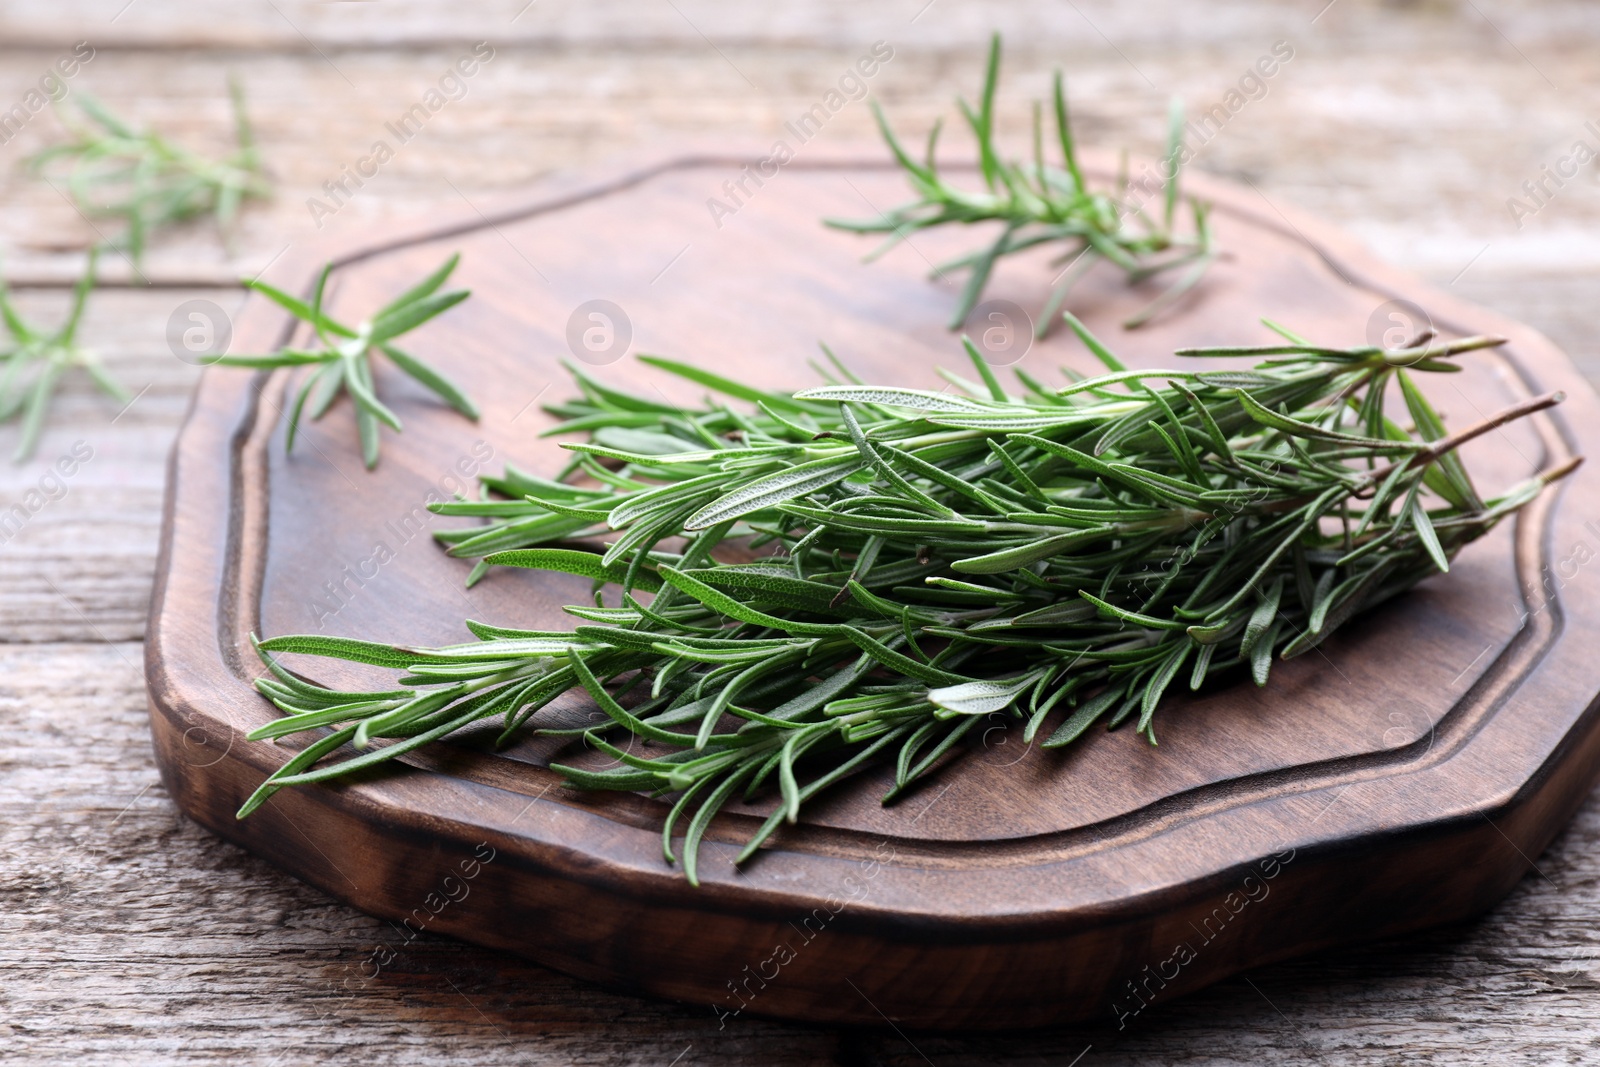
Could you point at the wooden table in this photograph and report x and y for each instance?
(129, 935)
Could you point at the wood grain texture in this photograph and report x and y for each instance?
(1456, 131)
(1404, 770)
(132, 935)
(1456, 115)
(77, 567)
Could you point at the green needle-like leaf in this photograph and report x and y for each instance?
(345, 358)
(36, 362)
(1038, 203)
(857, 574)
(118, 172)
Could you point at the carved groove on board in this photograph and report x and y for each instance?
(239, 615)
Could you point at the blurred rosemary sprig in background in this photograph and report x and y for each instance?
(1038, 203)
(37, 359)
(148, 182)
(854, 574)
(344, 359)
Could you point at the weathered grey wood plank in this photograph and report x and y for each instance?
(305, 24)
(127, 935)
(78, 541)
(1411, 128)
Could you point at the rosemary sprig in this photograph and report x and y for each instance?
(148, 182)
(37, 360)
(344, 360)
(1040, 204)
(856, 574)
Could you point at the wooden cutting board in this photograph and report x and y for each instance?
(1404, 777)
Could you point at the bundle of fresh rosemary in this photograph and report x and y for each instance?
(856, 573)
(1040, 204)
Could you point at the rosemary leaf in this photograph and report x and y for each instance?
(34, 363)
(148, 182)
(871, 583)
(1040, 204)
(344, 362)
